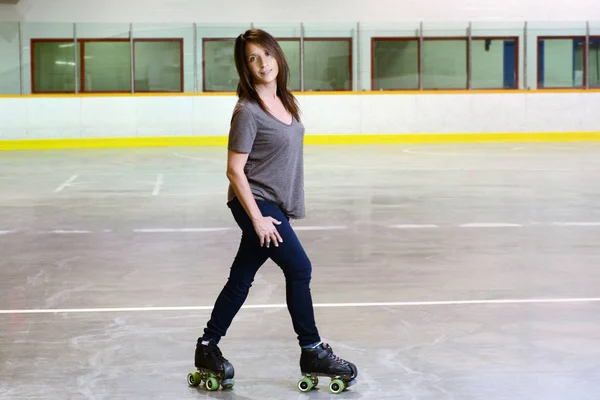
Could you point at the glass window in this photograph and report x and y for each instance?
(560, 62)
(53, 66)
(494, 63)
(327, 64)
(291, 50)
(158, 65)
(395, 64)
(107, 66)
(594, 62)
(444, 63)
(219, 65)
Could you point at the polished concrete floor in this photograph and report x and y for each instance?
(443, 271)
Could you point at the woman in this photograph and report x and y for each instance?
(265, 195)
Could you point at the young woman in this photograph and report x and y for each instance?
(265, 195)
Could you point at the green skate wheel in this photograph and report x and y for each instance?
(305, 384)
(212, 384)
(315, 381)
(337, 386)
(194, 379)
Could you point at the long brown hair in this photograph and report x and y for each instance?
(246, 89)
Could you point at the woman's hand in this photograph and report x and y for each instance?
(291, 221)
(266, 231)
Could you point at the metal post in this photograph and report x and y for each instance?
(586, 56)
(132, 58)
(469, 55)
(525, 53)
(358, 46)
(195, 58)
(421, 40)
(75, 58)
(301, 57)
(21, 58)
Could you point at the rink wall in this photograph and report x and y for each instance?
(28, 122)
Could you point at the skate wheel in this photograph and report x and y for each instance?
(305, 384)
(212, 384)
(315, 381)
(337, 386)
(194, 379)
(228, 383)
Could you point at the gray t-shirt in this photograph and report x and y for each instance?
(274, 168)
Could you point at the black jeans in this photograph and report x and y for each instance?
(289, 256)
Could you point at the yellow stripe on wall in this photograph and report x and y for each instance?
(46, 144)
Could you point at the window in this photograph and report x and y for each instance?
(494, 63)
(561, 62)
(395, 63)
(53, 66)
(327, 64)
(219, 73)
(445, 63)
(291, 50)
(104, 65)
(158, 65)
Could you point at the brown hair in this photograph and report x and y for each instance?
(246, 89)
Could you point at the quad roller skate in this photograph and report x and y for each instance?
(213, 369)
(320, 361)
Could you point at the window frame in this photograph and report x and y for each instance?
(468, 83)
(595, 38)
(81, 63)
(539, 62)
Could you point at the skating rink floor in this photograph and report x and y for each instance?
(443, 271)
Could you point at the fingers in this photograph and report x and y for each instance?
(268, 234)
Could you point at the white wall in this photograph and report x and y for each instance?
(308, 10)
(102, 117)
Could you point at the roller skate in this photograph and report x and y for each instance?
(320, 361)
(213, 369)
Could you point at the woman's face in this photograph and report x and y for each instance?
(262, 64)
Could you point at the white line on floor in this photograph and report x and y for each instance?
(66, 184)
(321, 305)
(179, 230)
(319, 228)
(322, 228)
(491, 225)
(67, 231)
(157, 186)
(576, 223)
(413, 226)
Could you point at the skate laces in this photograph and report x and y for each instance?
(214, 351)
(332, 356)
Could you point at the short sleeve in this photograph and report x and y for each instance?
(242, 131)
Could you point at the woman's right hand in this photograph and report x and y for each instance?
(266, 231)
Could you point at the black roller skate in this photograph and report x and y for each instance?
(213, 369)
(320, 361)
